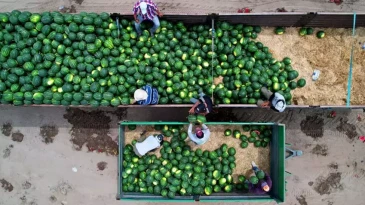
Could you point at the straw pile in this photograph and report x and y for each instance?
(358, 75)
(330, 55)
(261, 156)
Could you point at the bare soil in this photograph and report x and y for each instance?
(333, 165)
(301, 200)
(17, 136)
(313, 126)
(320, 150)
(325, 185)
(7, 186)
(6, 129)
(102, 165)
(48, 133)
(79, 1)
(6, 152)
(347, 128)
(26, 185)
(91, 128)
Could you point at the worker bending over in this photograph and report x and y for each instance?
(276, 101)
(265, 183)
(146, 10)
(202, 106)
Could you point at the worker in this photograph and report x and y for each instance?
(202, 106)
(147, 95)
(201, 134)
(146, 10)
(151, 143)
(263, 186)
(276, 101)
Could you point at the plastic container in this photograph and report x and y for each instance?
(315, 75)
(277, 170)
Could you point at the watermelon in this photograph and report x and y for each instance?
(303, 31)
(279, 30)
(201, 119)
(320, 34)
(254, 180)
(309, 31)
(81, 60)
(260, 174)
(301, 82)
(192, 118)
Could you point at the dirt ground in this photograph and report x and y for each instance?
(331, 170)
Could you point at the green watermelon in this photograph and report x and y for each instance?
(260, 174)
(201, 119)
(192, 118)
(254, 180)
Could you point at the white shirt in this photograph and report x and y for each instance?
(150, 143)
(197, 140)
(278, 102)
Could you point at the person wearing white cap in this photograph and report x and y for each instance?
(201, 134)
(276, 101)
(146, 10)
(146, 95)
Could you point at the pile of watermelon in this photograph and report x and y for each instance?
(65, 59)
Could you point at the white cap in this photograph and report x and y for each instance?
(280, 106)
(140, 94)
(143, 7)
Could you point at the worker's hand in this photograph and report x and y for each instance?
(265, 104)
(191, 111)
(160, 14)
(136, 20)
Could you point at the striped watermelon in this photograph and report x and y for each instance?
(87, 20)
(77, 19)
(89, 29)
(4, 18)
(58, 19)
(5, 51)
(91, 48)
(46, 19)
(109, 43)
(35, 18)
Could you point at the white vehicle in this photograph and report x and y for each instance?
(150, 143)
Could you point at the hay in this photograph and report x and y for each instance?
(330, 55)
(358, 75)
(261, 156)
(218, 80)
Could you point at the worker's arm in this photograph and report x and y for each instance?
(190, 129)
(268, 180)
(205, 127)
(135, 17)
(135, 12)
(190, 133)
(265, 104)
(159, 13)
(194, 106)
(207, 133)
